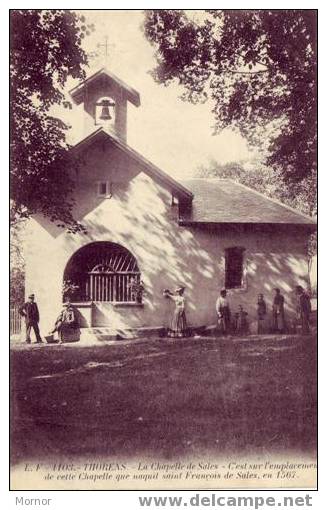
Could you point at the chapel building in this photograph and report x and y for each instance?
(143, 225)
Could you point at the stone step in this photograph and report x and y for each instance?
(104, 334)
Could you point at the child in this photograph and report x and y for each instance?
(241, 322)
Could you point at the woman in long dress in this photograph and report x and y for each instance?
(178, 324)
(278, 312)
(261, 314)
(223, 312)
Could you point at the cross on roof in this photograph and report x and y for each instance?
(106, 46)
(102, 53)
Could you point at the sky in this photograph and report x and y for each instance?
(174, 135)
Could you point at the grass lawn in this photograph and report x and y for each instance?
(164, 398)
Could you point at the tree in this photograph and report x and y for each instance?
(45, 51)
(258, 67)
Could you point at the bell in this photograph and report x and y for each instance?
(105, 114)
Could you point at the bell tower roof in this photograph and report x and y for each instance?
(104, 78)
(104, 97)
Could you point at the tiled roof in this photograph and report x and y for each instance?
(225, 201)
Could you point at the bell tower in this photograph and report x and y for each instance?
(104, 97)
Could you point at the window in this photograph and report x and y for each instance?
(174, 200)
(234, 267)
(104, 189)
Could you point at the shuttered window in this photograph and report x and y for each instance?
(234, 267)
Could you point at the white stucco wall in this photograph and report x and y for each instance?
(139, 217)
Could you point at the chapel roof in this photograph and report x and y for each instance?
(77, 93)
(214, 201)
(149, 168)
(226, 201)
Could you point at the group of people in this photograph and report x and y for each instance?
(240, 323)
(67, 324)
(227, 324)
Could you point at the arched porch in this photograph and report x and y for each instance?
(102, 280)
(101, 272)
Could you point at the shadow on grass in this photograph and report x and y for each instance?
(167, 399)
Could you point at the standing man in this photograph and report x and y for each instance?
(303, 309)
(31, 314)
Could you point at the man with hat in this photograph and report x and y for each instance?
(31, 314)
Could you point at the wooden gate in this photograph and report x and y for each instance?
(111, 280)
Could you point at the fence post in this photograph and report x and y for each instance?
(15, 321)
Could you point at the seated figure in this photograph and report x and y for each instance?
(67, 324)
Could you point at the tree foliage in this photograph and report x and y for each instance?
(258, 67)
(45, 51)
